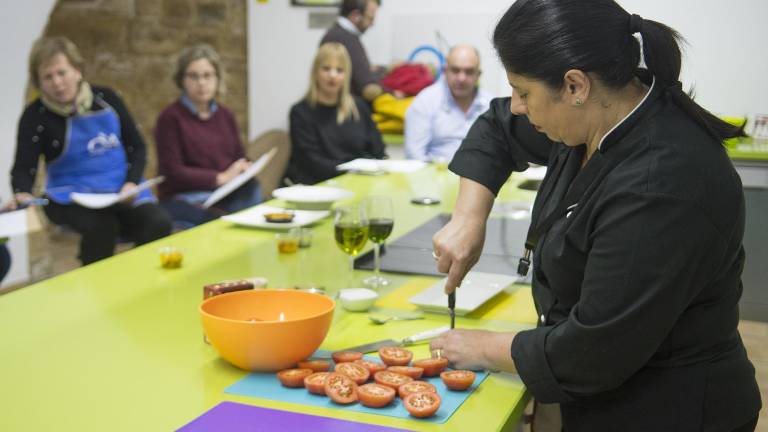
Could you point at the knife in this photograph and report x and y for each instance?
(410, 340)
(452, 307)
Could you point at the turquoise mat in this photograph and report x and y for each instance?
(267, 386)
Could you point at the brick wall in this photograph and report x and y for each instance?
(131, 46)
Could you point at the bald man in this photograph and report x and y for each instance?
(441, 114)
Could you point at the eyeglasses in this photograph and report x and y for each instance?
(207, 76)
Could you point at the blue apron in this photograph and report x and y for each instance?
(93, 159)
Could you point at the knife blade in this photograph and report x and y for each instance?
(411, 340)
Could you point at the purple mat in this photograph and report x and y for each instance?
(236, 417)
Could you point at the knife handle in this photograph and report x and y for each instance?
(425, 335)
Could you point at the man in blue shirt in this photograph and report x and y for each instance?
(441, 114)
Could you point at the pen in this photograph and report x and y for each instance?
(452, 307)
(36, 201)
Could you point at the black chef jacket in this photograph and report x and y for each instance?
(637, 284)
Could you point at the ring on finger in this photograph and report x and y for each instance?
(434, 255)
(437, 353)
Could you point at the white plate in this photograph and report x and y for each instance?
(476, 289)
(378, 165)
(311, 197)
(254, 217)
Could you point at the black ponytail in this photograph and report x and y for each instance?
(543, 39)
(661, 52)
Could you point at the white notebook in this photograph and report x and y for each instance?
(476, 289)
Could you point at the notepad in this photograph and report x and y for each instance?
(232, 185)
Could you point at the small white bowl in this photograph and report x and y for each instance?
(357, 299)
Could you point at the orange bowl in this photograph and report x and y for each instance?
(266, 330)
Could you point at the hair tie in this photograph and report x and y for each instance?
(635, 24)
(676, 88)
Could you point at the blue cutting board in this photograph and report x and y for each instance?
(267, 386)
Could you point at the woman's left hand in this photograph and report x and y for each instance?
(475, 349)
(128, 186)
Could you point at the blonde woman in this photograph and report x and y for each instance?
(198, 143)
(330, 126)
(90, 144)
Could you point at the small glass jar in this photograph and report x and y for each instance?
(288, 242)
(305, 237)
(170, 257)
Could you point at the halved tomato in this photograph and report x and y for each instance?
(458, 379)
(340, 388)
(316, 365)
(415, 387)
(413, 372)
(395, 356)
(372, 366)
(293, 377)
(432, 366)
(423, 404)
(391, 379)
(375, 395)
(315, 383)
(346, 356)
(358, 373)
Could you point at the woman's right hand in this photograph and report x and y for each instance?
(458, 245)
(232, 171)
(19, 200)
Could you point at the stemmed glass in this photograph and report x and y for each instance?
(381, 221)
(351, 232)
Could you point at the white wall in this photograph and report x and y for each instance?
(725, 58)
(18, 29)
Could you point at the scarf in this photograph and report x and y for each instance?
(82, 104)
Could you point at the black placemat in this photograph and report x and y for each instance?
(412, 252)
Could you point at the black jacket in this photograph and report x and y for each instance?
(637, 285)
(319, 143)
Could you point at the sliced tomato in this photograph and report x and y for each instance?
(293, 377)
(346, 356)
(358, 373)
(458, 379)
(432, 366)
(316, 365)
(411, 371)
(375, 395)
(395, 356)
(340, 388)
(372, 366)
(391, 379)
(424, 404)
(415, 387)
(315, 383)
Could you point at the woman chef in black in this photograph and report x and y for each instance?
(636, 238)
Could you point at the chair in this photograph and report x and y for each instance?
(270, 177)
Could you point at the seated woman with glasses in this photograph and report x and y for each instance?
(90, 144)
(198, 143)
(330, 126)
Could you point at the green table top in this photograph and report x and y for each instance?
(117, 345)
(748, 149)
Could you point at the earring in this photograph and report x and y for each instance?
(579, 101)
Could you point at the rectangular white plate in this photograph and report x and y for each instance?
(254, 217)
(386, 165)
(476, 289)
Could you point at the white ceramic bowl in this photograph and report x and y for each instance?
(311, 197)
(357, 299)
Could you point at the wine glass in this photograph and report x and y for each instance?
(380, 221)
(351, 232)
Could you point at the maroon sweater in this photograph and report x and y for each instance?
(191, 151)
